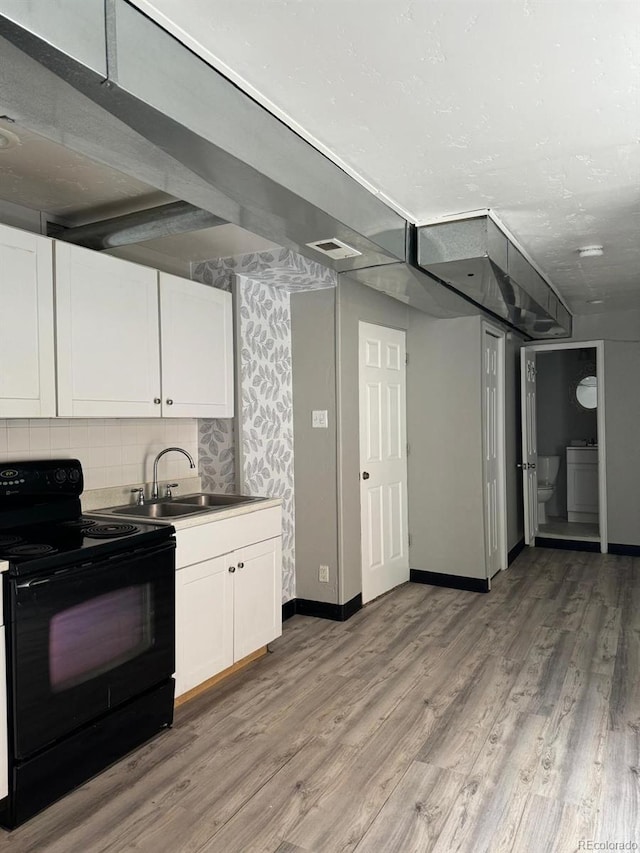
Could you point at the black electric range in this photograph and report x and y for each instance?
(89, 609)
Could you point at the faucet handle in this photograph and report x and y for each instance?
(168, 493)
(140, 493)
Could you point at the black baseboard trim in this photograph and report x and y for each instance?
(322, 609)
(515, 552)
(567, 544)
(288, 609)
(624, 550)
(451, 581)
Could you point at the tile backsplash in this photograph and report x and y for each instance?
(113, 452)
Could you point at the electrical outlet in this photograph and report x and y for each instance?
(323, 574)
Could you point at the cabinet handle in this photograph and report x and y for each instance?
(169, 402)
(241, 565)
(232, 569)
(157, 400)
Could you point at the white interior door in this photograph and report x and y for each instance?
(493, 451)
(383, 460)
(529, 445)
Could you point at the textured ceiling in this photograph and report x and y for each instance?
(528, 107)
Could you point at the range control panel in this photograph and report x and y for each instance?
(31, 478)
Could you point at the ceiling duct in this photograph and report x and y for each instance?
(108, 70)
(162, 221)
(475, 258)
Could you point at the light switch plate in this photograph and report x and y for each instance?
(319, 419)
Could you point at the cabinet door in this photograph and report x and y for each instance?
(197, 349)
(582, 487)
(27, 365)
(107, 335)
(257, 601)
(204, 627)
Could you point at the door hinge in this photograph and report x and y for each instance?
(408, 448)
(409, 540)
(406, 358)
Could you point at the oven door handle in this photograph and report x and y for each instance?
(29, 584)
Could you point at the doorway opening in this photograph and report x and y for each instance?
(563, 443)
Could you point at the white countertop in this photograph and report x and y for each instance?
(196, 519)
(3, 566)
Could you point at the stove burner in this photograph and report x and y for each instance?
(79, 523)
(108, 531)
(7, 541)
(30, 549)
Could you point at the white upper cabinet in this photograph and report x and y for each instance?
(130, 345)
(27, 365)
(107, 335)
(197, 349)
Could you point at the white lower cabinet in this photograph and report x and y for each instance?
(582, 484)
(227, 605)
(204, 622)
(257, 596)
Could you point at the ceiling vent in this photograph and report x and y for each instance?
(334, 248)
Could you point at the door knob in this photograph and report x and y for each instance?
(532, 465)
(365, 475)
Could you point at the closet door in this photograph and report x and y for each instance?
(108, 338)
(27, 372)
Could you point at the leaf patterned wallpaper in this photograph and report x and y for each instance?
(255, 452)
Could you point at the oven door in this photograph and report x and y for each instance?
(86, 639)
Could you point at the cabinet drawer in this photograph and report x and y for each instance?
(219, 537)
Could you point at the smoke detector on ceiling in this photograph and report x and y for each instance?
(590, 252)
(334, 249)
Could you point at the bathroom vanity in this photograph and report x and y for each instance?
(582, 484)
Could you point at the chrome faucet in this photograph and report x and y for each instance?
(154, 487)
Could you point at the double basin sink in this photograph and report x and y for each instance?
(182, 505)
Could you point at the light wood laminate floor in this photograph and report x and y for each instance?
(433, 720)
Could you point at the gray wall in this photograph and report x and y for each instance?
(445, 465)
(315, 461)
(610, 326)
(355, 302)
(622, 401)
(620, 331)
(444, 431)
(559, 420)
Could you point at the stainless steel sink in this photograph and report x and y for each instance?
(181, 505)
(212, 501)
(157, 510)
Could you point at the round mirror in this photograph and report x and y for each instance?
(587, 392)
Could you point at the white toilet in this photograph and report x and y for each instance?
(547, 470)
